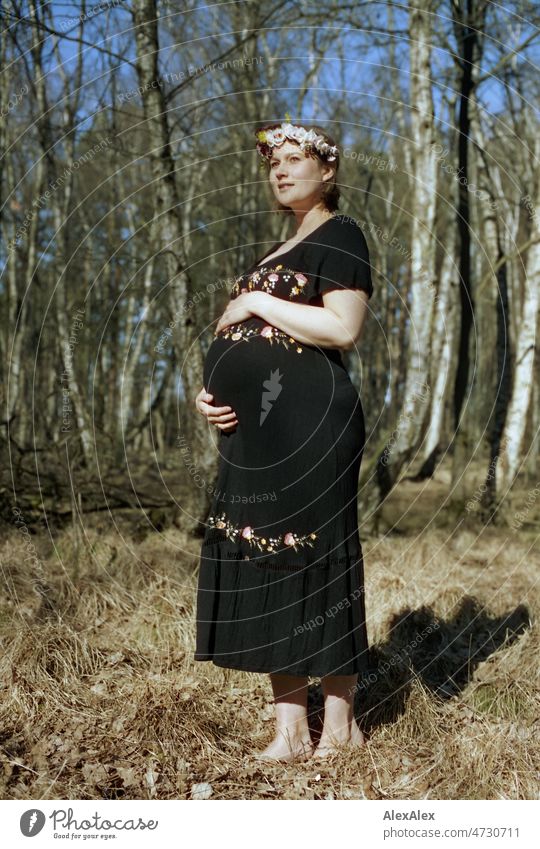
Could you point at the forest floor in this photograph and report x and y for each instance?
(101, 697)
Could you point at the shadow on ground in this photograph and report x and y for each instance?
(442, 654)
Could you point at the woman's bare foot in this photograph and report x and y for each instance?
(340, 729)
(284, 748)
(333, 743)
(292, 740)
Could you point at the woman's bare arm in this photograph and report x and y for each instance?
(338, 324)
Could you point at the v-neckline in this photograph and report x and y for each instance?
(284, 253)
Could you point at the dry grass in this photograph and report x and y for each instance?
(101, 697)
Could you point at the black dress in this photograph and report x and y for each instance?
(281, 583)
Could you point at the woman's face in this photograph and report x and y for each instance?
(297, 179)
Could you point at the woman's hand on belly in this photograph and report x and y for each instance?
(222, 417)
(237, 310)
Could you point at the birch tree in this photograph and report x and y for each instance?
(415, 404)
(526, 345)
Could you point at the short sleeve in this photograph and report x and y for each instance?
(343, 259)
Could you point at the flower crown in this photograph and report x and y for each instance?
(307, 139)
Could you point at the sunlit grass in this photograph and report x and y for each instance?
(101, 697)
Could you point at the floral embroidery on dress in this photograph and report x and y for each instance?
(233, 532)
(238, 332)
(301, 281)
(265, 278)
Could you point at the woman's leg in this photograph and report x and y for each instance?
(292, 737)
(340, 726)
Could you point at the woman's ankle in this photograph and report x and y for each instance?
(293, 734)
(340, 731)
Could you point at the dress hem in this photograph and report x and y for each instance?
(280, 671)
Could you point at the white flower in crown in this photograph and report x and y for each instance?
(277, 136)
(294, 133)
(318, 142)
(305, 138)
(310, 137)
(300, 135)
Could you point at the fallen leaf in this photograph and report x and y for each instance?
(201, 791)
(128, 776)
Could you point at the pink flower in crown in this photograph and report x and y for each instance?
(273, 278)
(289, 539)
(302, 279)
(247, 533)
(267, 331)
(278, 136)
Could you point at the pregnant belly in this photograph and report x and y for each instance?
(236, 365)
(258, 369)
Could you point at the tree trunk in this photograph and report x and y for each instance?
(488, 175)
(442, 349)
(467, 17)
(514, 431)
(414, 406)
(188, 351)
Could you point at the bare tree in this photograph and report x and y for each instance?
(415, 403)
(512, 449)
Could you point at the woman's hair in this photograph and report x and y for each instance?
(330, 193)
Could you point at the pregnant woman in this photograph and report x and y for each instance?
(281, 583)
